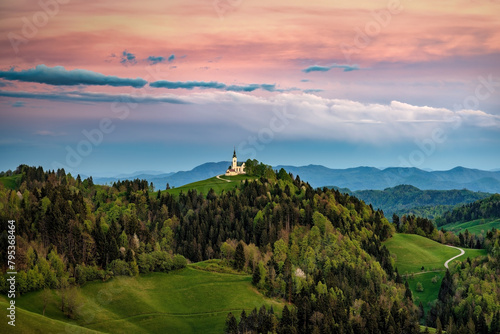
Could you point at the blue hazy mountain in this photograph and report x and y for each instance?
(201, 172)
(359, 178)
(362, 178)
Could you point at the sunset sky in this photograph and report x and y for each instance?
(110, 87)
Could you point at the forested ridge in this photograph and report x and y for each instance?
(482, 209)
(317, 249)
(407, 200)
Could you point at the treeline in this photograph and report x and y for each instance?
(409, 200)
(483, 209)
(426, 228)
(70, 231)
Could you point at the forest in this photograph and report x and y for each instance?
(319, 250)
(482, 209)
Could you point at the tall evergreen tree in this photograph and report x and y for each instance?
(239, 257)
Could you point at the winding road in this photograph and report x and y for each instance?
(462, 252)
(218, 176)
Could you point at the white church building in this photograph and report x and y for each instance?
(237, 167)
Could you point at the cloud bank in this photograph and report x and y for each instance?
(211, 85)
(312, 117)
(318, 68)
(75, 96)
(59, 76)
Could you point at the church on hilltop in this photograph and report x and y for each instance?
(237, 167)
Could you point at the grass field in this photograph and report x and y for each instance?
(477, 226)
(218, 185)
(11, 182)
(184, 301)
(414, 251)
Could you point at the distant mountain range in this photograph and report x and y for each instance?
(406, 199)
(201, 172)
(362, 178)
(359, 178)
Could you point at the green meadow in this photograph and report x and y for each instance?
(413, 251)
(184, 301)
(11, 182)
(225, 183)
(478, 226)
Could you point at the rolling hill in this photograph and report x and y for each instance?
(184, 301)
(224, 183)
(477, 217)
(478, 226)
(412, 252)
(407, 199)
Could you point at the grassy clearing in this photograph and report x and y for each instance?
(11, 182)
(431, 289)
(413, 251)
(184, 301)
(28, 322)
(477, 226)
(218, 185)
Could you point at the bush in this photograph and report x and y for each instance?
(120, 268)
(179, 261)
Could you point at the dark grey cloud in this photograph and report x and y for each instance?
(128, 58)
(171, 58)
(155, 60)
(318, 68)
(75, 96)
(212, 85)
(59, 76)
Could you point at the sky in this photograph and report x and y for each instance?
(110, 87)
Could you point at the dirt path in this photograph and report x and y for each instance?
(462, 252)
(218, 176)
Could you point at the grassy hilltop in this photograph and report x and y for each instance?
(224, 183)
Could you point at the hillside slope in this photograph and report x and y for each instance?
(407, 199)
(412, 252)
(155, 303)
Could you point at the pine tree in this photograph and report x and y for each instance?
(439, 326)
(239, 257)
(408, 294)
(231, 324)
(481, 327)
(256, 275)
(495, 323)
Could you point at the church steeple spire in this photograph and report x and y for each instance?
(234, 152)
